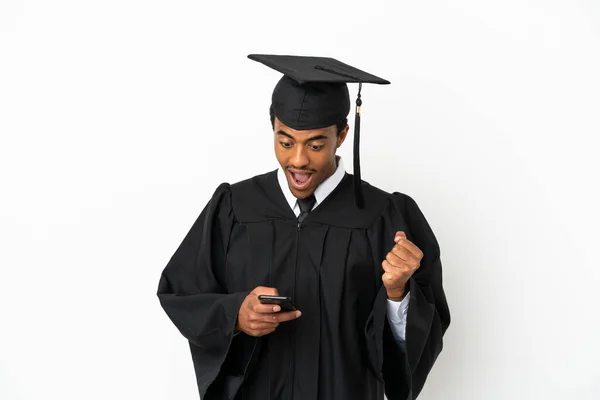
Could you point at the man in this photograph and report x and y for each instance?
(362, 266)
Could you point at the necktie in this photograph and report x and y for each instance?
(306, 206)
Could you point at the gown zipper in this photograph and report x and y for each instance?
(292, 366)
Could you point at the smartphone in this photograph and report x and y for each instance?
(284, 302)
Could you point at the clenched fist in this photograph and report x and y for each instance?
(257, 319)
(399, 265)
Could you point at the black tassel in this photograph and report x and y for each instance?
(358, 193)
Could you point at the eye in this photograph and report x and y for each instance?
(286, 145)
(316, 147)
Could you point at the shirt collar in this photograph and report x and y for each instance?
(321, 192)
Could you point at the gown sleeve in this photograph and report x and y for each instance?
(404, 369)
(192, 289)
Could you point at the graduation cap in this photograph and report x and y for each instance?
(313, 94)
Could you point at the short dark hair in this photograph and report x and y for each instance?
(340, 125)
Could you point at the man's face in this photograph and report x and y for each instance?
(307, 156)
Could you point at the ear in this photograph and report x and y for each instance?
(342, 136)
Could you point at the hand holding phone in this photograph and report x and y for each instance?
(263, 310)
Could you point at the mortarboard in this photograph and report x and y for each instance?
(313, 94)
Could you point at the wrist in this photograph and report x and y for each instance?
(396, 295)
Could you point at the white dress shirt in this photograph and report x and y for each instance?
(396, 310)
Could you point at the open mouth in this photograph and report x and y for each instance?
(300, 180)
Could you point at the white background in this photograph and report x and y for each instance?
(119, 118)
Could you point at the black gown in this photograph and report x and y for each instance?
(341, 347)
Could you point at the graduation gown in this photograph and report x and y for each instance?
(341, 347)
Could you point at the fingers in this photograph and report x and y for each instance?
(392, 273)
(403, 242)
(394, 279)
(256, 306)
(288, 316)
(398, 256)
(409, 264)
(398, 269)
(399, 235)
(408, 245)
(260, 308)
(405, 260)
(257, 319)
(265, 290)
(274, 318)
(260, 330)
(261, 325)
(255, 324)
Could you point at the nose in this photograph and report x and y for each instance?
(300, 158)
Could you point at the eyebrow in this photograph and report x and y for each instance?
(310, 139)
